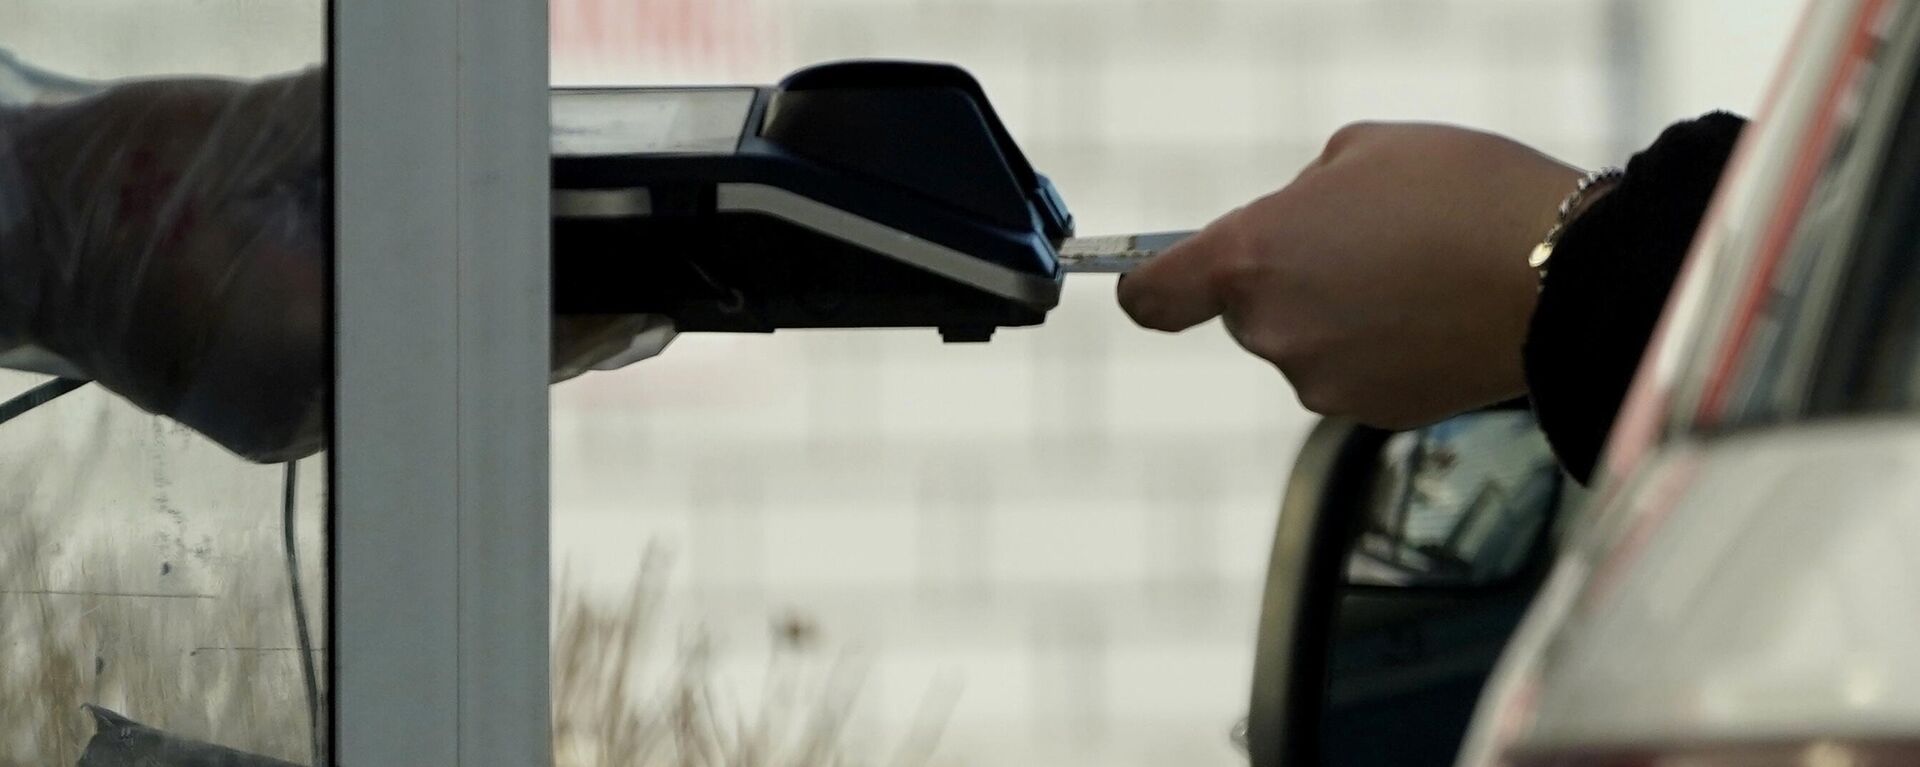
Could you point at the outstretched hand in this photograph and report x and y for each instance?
(1389, 282)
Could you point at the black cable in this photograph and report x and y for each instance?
(304, 634)
(37, 396)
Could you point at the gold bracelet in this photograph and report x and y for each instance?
(1544, 251)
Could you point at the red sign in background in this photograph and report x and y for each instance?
(660, 38)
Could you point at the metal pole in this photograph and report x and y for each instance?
(439, 481)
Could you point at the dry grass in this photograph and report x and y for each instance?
(623, 697)
(212, 659)
(629, 690)
(169, 662)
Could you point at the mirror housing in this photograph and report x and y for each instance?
(1283, 685)
(1401, 564)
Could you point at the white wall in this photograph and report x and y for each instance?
(1716, 54)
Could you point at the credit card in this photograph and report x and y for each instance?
(1115, 254)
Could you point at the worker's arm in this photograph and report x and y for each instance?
(27, 94)
(168, 239)
(16, 235)
(177, 252)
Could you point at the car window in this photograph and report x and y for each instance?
(1872, 357)
(1814, 317)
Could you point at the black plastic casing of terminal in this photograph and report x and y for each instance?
(914, 148)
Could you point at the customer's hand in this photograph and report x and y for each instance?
(176, 253)
(1389, 282)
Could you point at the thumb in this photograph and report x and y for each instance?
(1178, 289)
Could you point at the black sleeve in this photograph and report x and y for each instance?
(1608, 282)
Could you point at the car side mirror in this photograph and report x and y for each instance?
(1401, 565)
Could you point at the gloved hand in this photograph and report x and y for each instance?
(168, 240)
(606, 341)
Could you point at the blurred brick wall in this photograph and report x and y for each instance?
(1071, 522)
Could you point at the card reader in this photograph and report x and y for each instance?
(855, 194)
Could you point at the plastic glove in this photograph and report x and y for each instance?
(168, 240)
(606, 342)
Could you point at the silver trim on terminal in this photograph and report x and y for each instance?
(630, 202)
(1041, 293)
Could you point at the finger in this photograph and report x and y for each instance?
(1176, 290)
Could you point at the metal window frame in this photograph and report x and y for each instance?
(439, 463)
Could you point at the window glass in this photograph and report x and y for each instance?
(1820, 292)
(163, 319)
(1872, 360)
